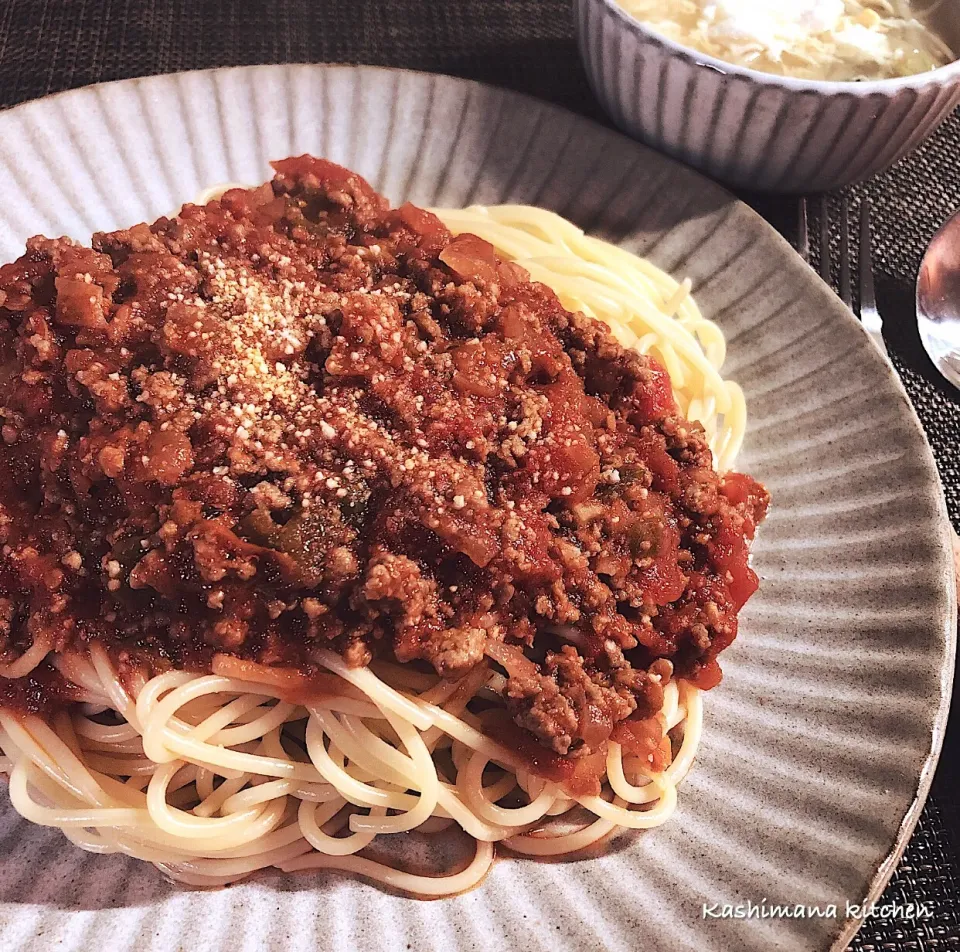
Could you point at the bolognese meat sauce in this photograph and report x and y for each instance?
(295, 417)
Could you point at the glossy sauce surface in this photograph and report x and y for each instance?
(295, 418)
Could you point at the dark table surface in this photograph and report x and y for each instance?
(50, 45)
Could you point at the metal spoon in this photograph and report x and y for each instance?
(938, 300)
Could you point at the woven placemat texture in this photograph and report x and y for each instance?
(528, 45)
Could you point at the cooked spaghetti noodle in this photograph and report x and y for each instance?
(214, 776)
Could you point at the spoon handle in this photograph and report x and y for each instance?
(869, 315)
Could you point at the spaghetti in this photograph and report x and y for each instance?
(212, 776)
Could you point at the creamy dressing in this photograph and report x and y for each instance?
(812, 39)
(772, 27)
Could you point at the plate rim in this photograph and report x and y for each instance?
(848, 927)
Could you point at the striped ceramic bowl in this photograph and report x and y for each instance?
(753, 129)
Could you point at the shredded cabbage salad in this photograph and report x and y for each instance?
(810, 39)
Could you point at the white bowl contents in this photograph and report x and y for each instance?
(837, 40)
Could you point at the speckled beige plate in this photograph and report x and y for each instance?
(820, 744)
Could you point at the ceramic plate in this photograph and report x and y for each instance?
(820, 743)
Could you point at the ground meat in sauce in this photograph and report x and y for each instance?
(295, 418)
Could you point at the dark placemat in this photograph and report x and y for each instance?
(528, 45)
